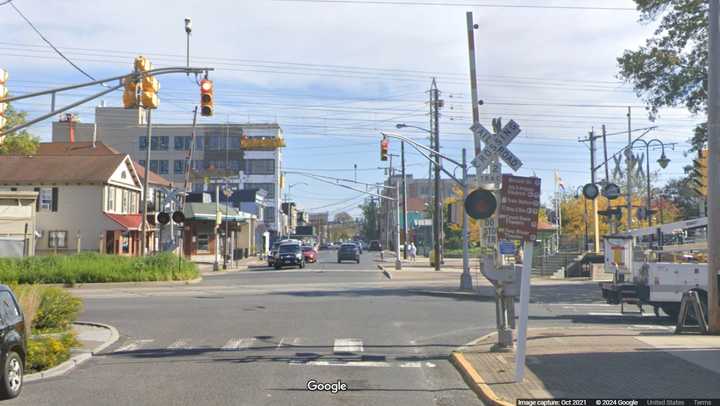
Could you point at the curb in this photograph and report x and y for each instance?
(77, 359)
(474, 295)
(125, 284)
(475, 381)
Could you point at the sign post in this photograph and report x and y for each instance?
(517, 220)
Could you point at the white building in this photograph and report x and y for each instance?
(222, 151)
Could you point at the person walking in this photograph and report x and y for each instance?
(413, 251)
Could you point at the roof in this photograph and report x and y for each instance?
(75, 148)
(45, 169)
(207, 211)
(127, 221)
(153, 179)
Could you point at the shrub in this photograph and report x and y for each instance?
(29, 298)
(93, 267)
(47, 351)
(57, 310)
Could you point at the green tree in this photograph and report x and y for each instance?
(369, 227)
(671, 69)
(19, 143)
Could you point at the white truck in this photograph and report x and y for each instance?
(656, 265)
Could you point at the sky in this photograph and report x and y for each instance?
(334, 74)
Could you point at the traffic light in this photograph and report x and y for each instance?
(207, 100)
(700, 173)
(130, 95)
(3, 94)
(149, 86)
(384, 145)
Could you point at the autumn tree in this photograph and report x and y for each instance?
(19, 143)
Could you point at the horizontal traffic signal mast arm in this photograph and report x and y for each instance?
(137, 76)
(419, 148)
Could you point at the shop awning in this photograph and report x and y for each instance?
(207, 212)
(127, 221)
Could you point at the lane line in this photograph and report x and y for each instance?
(181, 344)
(343, 345)
(231, 345)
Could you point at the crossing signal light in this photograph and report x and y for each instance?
(700, 173)
(384, 145)
(3, 94)
(207, 99)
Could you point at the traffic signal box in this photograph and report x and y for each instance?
(700, 173)
(141, 88)
(207, 99)
(384, 145)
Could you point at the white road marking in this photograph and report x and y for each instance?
(376, 364)
(237, 344)
(133, 345)
(347, 345)
(582, 304)
(179, 345)
(621, 314)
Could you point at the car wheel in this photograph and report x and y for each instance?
(12, 377)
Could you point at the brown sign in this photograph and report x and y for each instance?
(519, 206)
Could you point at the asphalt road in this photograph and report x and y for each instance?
(258, 337)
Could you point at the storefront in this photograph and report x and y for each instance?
(125, 239)
(199, 232)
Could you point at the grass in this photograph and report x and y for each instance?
(95, 268)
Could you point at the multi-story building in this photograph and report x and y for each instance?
(244, 156)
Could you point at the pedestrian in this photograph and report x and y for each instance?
(413, 251)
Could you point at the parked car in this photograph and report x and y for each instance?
(324, 247)
(13, 344)
(348, 252)
(273, 253)
(359, 245)
(310, 254)
(374, 246)
(289, 254)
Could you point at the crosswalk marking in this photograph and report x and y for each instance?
(621, 314)
(179, 345)
(380, 364)
(344, 345)
(237, 344)
(133, 345)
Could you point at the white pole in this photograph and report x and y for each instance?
(524, 302)
(465, 278)
(398, 263)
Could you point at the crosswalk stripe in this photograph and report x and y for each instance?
(133, 345)
(380, 364)
(179, 345)
(237, 344)
(232, 344)
(342, 345)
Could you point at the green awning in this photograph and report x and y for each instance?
(207, 212)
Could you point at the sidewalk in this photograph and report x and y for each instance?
(206, 268)
(596, 362)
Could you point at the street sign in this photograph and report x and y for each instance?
(480, 204)
(611, 191)
(507, 247)
(496, 145)
(489, 232)
(519, 207)
(590, 191)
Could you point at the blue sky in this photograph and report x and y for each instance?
(333, 74)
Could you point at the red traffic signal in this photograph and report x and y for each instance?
(384, 145)
(207, 99)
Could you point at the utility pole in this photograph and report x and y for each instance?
(713, 200)
(438, 198)
(629, 157)
(596, 218)
(404, 200)
(148, 145)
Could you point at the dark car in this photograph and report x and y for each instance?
(359, 245)
(348, 252)
(289, 254)
(13, 344)
(310, 254)
(375, 246)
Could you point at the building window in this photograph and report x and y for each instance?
(260, 167)
(57, 239)
(235, 142)
(142, 143)
(110, 205)
(164, 167)
(134, 202)
(124, 201)
(199, 142)
(235, 165)
(203, 242)
(179, 166)
(154, 165)
(160, 143)
(267, 187)
(45, 199)
(269, 215)
(182, 143)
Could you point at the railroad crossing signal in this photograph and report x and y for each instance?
(3, 94)
(496, 145)
(207, 98)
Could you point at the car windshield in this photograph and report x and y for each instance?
(289, 248)
(306, 249)
(347, 247)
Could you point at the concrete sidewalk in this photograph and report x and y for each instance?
(596, 362)
(206, 268)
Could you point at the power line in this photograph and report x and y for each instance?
(433, 3)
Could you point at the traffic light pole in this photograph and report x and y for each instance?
(404, 199)
(713, 165)
(148, 145)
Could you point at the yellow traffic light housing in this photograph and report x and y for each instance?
(207, 98)
(149, 97)
(142, 64)
(130, 95)
(700, 173)
(141, 88)
(384, 145)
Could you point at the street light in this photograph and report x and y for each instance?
(663, 162)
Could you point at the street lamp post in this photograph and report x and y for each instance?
(663, 162)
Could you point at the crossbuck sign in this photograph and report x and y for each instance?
(496, 145)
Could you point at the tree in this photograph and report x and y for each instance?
(343, 218)
(369, 221)
(680, 193)
(671, 69)
(20, 143)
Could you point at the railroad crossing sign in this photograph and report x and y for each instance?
(496, 145)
